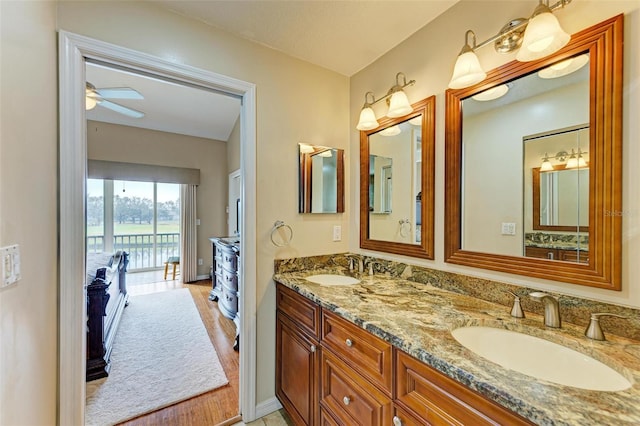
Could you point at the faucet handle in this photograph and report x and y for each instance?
(516, 310)
(594, 331)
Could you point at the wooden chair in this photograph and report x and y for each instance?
(175, 261)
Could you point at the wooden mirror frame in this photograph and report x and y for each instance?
(603, 42)
(305, 180)
(425, 249)
(535, 206)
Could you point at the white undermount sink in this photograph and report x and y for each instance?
(332, 279)
(540, 358)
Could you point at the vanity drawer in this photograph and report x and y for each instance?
(437, 399)
(369, 355)
(349, 397)
(300, 309)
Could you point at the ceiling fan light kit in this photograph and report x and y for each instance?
(100, 97)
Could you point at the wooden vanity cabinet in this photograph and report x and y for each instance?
(331, 372)
(557, 254)
(297, 356)
(430, 396)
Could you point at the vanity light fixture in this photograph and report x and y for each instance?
(536, 37)
(574, 160)
(396, 100)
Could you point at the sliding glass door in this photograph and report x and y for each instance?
(141, 218)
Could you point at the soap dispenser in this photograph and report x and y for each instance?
(516, 310)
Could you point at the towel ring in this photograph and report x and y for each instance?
(285, 239)
(404, 232)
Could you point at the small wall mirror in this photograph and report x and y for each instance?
(321, 179)
(532, 173)
(396, 179)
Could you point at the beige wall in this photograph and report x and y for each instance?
(296, 102)
(28, 206)
(112, 142)
(428, 57)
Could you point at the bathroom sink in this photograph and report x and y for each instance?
(332, 279)
(540, 358)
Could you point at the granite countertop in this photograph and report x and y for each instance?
(557, 245)
(418, 319)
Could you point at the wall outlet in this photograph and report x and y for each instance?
(508, 228)
(200, 262)
(337, 233)
(197, 222)
(10, 259)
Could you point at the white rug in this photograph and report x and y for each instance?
(161, 355)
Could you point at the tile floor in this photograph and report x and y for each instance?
(278, 418)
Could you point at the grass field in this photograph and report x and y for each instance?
(135, 228)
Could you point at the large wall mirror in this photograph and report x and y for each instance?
(321, 179)
(397, 183)
(534, 175)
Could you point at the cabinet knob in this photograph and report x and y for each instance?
(312, 348)
(346, 400)
(348, 342)
(397, 421)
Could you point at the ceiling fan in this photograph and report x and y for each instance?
(101, 97)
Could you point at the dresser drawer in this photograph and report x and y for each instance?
(300, 309)
(229, 260)
(370, 355)
(349, 397)
(439, 400)
(228, 302)
(230, 279)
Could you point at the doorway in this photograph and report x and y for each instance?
(74, 51)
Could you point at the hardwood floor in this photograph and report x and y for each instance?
(220, 406)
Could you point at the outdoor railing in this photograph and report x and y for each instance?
(144, 250)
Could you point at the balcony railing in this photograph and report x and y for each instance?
(145, 251)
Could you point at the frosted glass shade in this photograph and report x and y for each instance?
(542, 37)
(391, 131)
(467, 71)
(491, 94)
(399, 105)
(367, 119)
(565, 67)
(90, 103)
(546, 166)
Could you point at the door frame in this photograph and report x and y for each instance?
(73, 49)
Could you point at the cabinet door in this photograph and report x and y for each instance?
(541, 253)
(296, 371)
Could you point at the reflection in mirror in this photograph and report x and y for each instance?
(556, 194)
(380, 184)
(321, 179)
(395, 149)
(395, 216)
(540, 117)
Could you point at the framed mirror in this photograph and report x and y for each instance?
(550, 145)
(397, 183)
(320, 179)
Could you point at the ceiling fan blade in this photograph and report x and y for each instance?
(121, 109)
(119, 93)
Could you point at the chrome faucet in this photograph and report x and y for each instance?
(516, 310)
(551, 308)
(594, 331)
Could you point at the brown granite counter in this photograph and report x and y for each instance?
(418, 318)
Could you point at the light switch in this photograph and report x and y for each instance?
(508, 228)
(337, 233)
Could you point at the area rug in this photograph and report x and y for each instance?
(161, 355)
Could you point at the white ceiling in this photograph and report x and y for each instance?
(344, 36)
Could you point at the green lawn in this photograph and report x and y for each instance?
(135, 228)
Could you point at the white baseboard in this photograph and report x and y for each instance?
(267, 407)
(203, 277)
